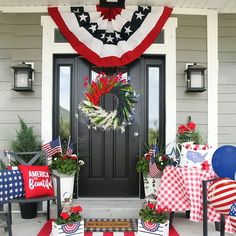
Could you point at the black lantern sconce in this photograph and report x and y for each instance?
(195, 78)
(23, 77)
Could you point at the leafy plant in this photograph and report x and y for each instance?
(187, 132)
(66, 164)
(26, 140)
(73, 215)
(152, 213)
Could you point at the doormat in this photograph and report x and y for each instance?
(110, 225)
(46, 231)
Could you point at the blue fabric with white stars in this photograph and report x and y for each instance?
(233, 210)
(11, 185)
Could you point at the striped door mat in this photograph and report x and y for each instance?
(110, 225)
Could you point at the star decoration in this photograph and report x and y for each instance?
(128, 30)
(83, 17)
(110, 39)
(139, 15)
(144, 8)
(93, 28)
(117, 35)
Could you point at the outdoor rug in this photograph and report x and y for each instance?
(110, 225)
(46, 230)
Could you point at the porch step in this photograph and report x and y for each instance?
(109, 207)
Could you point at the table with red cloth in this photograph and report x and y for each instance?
(181, 189)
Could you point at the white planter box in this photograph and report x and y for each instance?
(76, 228)
(151, 185)
(149, 229)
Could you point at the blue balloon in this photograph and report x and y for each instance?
(224, 161)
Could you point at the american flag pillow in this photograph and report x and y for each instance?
(11, 185)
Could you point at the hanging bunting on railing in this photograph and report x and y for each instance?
(110, 37)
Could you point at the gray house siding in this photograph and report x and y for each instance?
(191, 46)
(20, 40)
(227, 79)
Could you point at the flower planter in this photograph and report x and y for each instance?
(76, 228)
(151, 185)
(67, 186)
(149, 228)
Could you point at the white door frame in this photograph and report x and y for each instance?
(49, 48)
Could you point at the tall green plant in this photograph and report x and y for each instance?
(26, 140)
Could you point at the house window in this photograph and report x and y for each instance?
(58, 37)
(153, 104)
(64, 101)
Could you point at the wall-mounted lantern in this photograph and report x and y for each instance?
(23, 77)
(195, 78)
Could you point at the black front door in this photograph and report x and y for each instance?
(110, 157)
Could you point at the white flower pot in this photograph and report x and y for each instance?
(67, 186)
(150, 229)
(76, 228)
(151, 185)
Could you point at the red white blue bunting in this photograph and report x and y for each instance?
(110, 36)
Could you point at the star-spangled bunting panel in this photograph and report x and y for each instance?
(11, 185)
(110, 37)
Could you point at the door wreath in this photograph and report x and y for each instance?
(124, 93)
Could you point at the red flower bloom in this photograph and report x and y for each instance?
(182, 129)
(191, 125)
(73, 157)
(151, 205)
(76, 209)
(65, 215)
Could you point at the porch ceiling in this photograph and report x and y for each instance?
(223, 6)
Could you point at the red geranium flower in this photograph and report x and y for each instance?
(191, 125)
(65, 215)
(151, 205)
(182, 129)
(76, 209)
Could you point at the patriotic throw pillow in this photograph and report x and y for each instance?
(11, 185)
(37, 181)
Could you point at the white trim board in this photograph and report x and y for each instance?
(49, 48)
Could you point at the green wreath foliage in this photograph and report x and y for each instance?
(121, 116)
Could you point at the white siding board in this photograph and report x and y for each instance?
(224, 89)
(227, 108)
(227, 57)
(191, 105)
(188, 32)
(26, 54)
(191, 56)
(191, 20)
(20, 19)
(226, 32)
(11, 117)
(227, 44)
(191, 44)
(28, 42)
(28, 30)
(228, 97)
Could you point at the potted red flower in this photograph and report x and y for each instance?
(69, 222)
(153, 220)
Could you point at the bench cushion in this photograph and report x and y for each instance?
(11, 185)
(37, 181)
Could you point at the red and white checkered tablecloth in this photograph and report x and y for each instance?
(181, 190)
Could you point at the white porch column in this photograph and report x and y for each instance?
(212, 76)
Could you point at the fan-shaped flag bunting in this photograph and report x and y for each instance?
(110, 36)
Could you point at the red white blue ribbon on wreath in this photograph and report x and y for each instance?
(110, 37)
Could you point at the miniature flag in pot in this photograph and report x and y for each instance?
(70, 148)
(52, 147)
(153, 170)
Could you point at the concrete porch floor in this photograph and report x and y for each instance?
(106, 208)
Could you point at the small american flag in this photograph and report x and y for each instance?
(52, 147)
(153, 170)
(70, 148)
